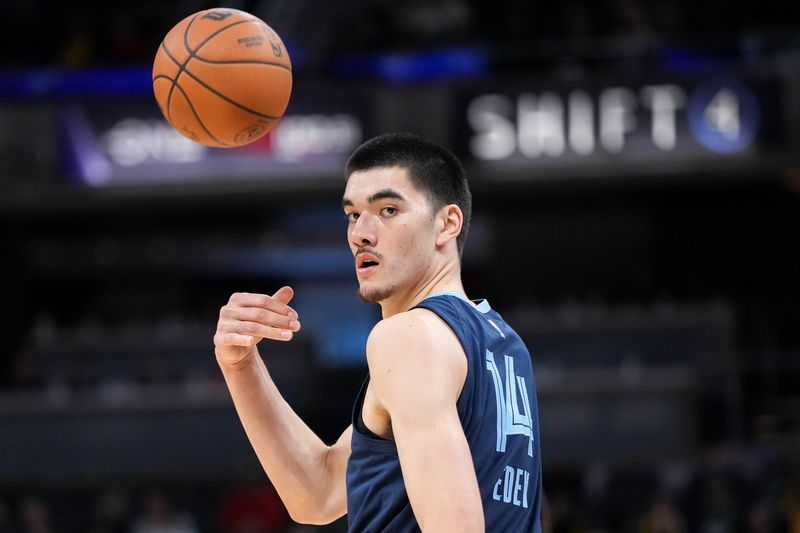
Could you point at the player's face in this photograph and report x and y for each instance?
(390, 231)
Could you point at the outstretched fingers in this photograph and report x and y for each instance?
(277, 303)
(247, 318)
(255, 329)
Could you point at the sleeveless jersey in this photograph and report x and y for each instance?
(498, 411)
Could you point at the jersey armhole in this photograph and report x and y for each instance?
(358, 419)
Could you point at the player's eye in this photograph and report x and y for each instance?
(389, 211)
(351, 217)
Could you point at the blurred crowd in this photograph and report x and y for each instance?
(93, 354)
(751, 485)
(730, 489)
(246, 508)
(126, 32)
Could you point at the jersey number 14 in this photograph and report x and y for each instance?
(511, 394)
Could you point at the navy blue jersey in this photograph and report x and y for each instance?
(498, 411)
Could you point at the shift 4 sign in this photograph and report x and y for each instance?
(718, 115)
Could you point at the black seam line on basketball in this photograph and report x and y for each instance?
(192, 53)
(184, 69)
(232, 102)
(159, 77)
(199, 120)
(177, 63)
(180, 67)
(243, 62)
(174, 80)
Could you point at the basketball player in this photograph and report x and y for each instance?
(444, 435)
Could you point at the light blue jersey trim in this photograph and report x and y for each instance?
(482, 306)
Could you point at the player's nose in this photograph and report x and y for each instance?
(363, 232)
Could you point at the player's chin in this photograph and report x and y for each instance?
(365, 295)
(372, 294)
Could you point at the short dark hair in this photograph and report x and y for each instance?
(433, 169)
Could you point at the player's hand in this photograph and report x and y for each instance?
(247, 319)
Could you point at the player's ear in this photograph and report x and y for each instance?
(449, 221)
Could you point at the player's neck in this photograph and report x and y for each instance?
(446, 279)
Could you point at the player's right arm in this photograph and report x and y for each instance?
(308, 475)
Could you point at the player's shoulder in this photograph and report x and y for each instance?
(412, 346)
(414, 332)
(417, 323)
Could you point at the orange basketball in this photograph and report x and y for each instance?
(222, 77)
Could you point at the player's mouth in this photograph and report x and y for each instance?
(366, 263)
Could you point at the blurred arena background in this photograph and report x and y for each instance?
(636, 170)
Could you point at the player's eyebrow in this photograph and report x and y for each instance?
(380, 195)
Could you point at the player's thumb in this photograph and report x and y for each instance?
(284, 294)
